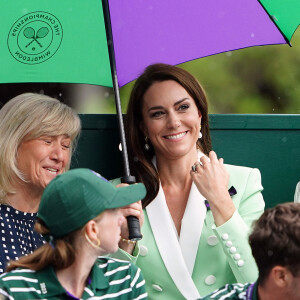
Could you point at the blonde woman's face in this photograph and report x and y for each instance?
(43, 158)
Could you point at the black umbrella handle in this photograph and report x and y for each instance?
(133, 223)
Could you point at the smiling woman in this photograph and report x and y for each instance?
(198, 210)
(37, 136)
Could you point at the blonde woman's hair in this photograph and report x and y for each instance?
(29, 116)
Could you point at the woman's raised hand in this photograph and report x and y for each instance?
(211, 179)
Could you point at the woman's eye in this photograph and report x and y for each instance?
(66, 146)
(184, 107)
(47, 142)
(156, 114)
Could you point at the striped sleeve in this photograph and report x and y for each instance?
(19, 283)
(137, 284)
(3, 293)
(234, 291)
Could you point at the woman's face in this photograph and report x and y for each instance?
(43, 158)
(110, 230)
(171, 119)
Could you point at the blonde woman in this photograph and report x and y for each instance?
(37, 136)
(80, 217)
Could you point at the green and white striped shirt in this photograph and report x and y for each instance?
(109, 279)
(235, 291)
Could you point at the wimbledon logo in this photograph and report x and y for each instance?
(35, 37)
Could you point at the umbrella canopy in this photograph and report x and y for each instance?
(177, 31)
(53, 41)
(65, 41)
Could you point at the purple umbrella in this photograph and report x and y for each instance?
(177, 31)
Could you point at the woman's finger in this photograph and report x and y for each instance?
(213, 157)
(122, 185)
(204, 159)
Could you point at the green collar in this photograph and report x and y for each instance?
(50, 286)
(99, 281)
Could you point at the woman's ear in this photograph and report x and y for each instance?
(91, 234)
(91, 229)
(199, 114)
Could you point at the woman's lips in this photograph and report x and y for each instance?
(175, 136)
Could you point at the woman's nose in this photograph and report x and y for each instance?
(173, 122)
(57, 152)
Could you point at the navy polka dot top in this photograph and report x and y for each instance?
(17, 237)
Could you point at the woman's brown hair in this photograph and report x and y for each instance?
(139, 158)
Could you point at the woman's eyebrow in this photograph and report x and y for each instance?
(155, 108)
(181, 100)
(161, 107)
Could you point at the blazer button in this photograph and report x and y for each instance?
(210, 279)
(228, 244)
(212, 240)
(225, 236)
(236, 256)
(157, 287)
(240, 263)
(143, 250)
(232, 250)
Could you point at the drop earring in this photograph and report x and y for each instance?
(147, 147)
(200, 134)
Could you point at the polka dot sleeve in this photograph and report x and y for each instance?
(17, 235)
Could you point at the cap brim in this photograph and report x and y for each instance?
(128, 194)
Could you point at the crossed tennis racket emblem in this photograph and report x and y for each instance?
(30, 33)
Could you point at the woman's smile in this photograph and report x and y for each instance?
(176, 136)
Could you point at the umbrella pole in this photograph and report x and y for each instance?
(133, 222)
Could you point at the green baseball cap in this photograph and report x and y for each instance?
(73, 198)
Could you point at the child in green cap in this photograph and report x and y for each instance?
(80, 218)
